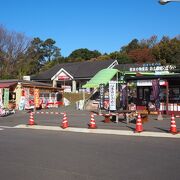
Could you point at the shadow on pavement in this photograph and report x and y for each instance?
(164, 130)
(133, 129)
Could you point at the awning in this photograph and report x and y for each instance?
(102, 77)
(7, 84)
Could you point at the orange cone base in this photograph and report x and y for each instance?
(138, 129)
(172, 131)
(92, 126)
(32, 123)
(64, 125)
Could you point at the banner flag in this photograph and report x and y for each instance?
(101, 90)
(112, 95)
(6, 97)
(1, 97)
(36, 98)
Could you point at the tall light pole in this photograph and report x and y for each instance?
(163, 2)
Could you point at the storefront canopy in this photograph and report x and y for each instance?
(102, 77)
(7, 84)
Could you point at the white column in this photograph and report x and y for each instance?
(54, 83)
(73, 86)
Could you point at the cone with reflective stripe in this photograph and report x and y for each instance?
(31, 119)
(92, 124)
(173, 128)
(64, 122)
(139, 127)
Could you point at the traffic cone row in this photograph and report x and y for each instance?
(65, 121)
(31, 119)
(139, 127)
(173, 128)
(92, 124)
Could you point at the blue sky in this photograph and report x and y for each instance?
(103, 25)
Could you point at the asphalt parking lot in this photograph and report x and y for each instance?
(81, 119)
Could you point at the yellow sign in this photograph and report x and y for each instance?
(36, 97)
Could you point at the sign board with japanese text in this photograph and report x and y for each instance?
(149, 82)
(63, 76)
(112, 95)
(36, 97)
(101, 92)
(154, 67)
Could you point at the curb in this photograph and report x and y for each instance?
(99, 131)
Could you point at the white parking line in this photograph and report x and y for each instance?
(7, 127)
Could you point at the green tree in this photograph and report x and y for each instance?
(51, 51)
(167, 50)
(134, 44)
(34, 57)
(121, 57)
(83, 54)
(39, 54)
(103, 57)
(52, 63)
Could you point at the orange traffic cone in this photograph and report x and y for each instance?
(64, 122)
(31, 119)
(139, 127)
(173, 128)
(92, 124)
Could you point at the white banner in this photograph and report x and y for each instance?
(149, 82)
(1, 99)
(26, 93)
(112, 95)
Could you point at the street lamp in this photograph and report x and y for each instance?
(163, 2)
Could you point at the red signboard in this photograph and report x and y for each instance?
(63, 76)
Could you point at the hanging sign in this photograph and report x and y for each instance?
(6, 97)
(123, 95)
(112, 95)
(149, 82)
(36, 97)
(101, 91)
(154, 67)
(63, 76)
(22, 100)
(26, 93)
